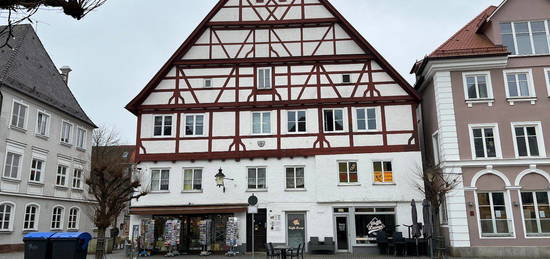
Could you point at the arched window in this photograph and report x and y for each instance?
(73, 218)
(7, 211)
(31, 217)
(57, 217)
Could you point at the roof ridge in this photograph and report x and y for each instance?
(463, 28)
(4, 72)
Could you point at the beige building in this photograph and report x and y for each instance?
(45, 140)
(486, 118)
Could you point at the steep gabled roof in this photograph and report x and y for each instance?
(180, 52)
(28, 69)
(468, 41)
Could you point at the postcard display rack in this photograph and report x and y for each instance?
(147, 240)
(172, 230)
(232, 235)
(205, 227)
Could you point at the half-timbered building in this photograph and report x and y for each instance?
(297, 108)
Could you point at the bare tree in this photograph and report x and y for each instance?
(112, 183)
(435, 185)
(17, 11)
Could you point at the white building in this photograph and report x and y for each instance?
(298, 109)
(45, 139)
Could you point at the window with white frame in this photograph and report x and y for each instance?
(61, 176)
(257, 178)
(42, 124)
(484, 141)
(77, 178)
(334, 120)
(436, 149)
(194, 125)
(57, 218)
(163, 126)
(477, 86)
(66, 132)
(81, 138)
(346, 78)
(73, 218)
(160, 180)
(31, 217)
(37, 167)
(526, 38)
(519, 84)
(528, 140)
(296, 121)
(264, 78)
(383, 172)
(367, 118)
(347, 171)
(192, 179)
(19, 115)
(7, 211)
(12, 165)
(261, 122)
(295, 178)
(536, 212)
(493, 215)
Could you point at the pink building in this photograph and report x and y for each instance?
(486, 113)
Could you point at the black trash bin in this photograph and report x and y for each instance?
(70, 245)
(37, 245)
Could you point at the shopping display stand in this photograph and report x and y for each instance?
(172, 230)
(232, 235)
(205, 227)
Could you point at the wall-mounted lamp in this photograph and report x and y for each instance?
(516, 204)
(220, 179)
(471, 204)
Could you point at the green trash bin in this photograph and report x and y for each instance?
(37, 245)
(70, 245)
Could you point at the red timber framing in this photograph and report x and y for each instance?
(246, 56)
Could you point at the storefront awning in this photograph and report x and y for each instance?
(188, 210)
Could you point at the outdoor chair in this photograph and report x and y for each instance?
(298, 252)
(398, 244)
(271, 253)
(382, 242)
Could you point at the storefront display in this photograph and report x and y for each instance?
(232, 235)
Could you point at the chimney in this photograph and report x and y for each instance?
(65, 70)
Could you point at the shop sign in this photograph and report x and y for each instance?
(374, 226)
(296, 224)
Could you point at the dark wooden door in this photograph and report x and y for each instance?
(260, 230)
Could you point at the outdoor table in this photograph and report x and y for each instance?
(283, 249)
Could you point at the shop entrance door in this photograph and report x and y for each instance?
(260, 231)
(296, 229)
(342, 240)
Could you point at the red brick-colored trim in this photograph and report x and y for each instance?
(12, 248)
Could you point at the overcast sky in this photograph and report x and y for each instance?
(118, 48)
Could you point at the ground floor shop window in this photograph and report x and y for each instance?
(369, 221)
(536, 213)
(296, 232)
(493, 216)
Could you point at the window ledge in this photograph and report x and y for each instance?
(77, 189)
(72, 230)
(471, 102)
(40, 136)
(61, 187)
(349, 184)
(159, 192)
(382, 184)
(6, 232)
(36, 183)
(81, 149)
(513, 100)
(296, 190)
(256, 190)
(527, 55)
(15, 128)
(538, 235)
(13, 180)
(29, 230)
(65, 144)
(192, 191)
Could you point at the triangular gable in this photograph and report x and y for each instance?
(267, 16)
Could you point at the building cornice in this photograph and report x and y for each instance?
(495, 162)
(44, 197)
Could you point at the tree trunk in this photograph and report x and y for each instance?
(100, 247)
(439, 243)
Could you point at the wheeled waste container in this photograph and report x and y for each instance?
(70, 245)
(37, 245)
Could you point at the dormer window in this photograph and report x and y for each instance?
(526, 38)
(264, 78)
